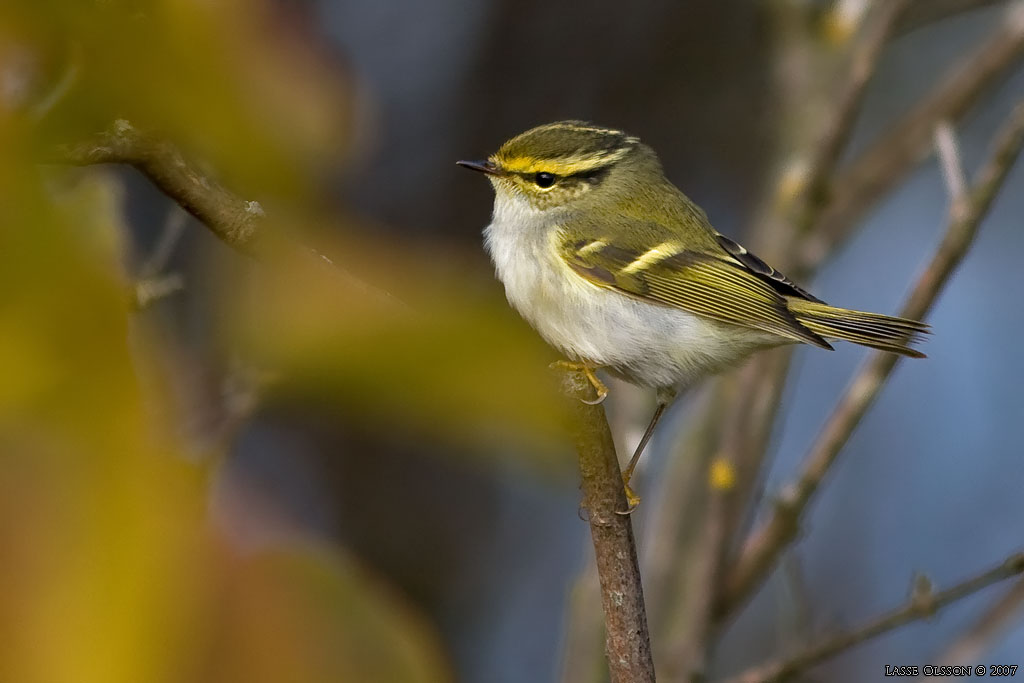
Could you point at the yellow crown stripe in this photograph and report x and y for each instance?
(562, 167)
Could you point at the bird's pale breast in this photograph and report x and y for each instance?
(650, 344)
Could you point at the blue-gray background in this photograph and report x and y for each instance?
(931, 481)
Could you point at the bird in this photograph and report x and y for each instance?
(620, 271)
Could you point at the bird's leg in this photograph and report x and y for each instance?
(664, 399)
(588, 372)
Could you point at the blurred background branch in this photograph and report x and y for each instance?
(761, 550)
(922, 604)
(823, 93)
(886, 162)
(232, 219)
(978, 639)
(241, 224)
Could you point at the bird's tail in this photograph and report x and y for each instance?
(867, 329)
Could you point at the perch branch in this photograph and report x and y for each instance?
(627, 642)
(763, 547)
(921, 605)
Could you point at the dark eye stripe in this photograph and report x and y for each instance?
(545, 179)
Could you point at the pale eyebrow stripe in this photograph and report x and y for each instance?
(582, 128)
(653, 255)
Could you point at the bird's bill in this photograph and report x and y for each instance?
(485, 166)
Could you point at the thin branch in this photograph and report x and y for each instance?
(239, 223)
(976, 641)
(148, 290)
(627, 641)
(672, 521)
(921, 605)
(234, 220)
(836, 133)
(68, 78)
(948, 150)
(925, 12)
(886, 161)
(762, 548)
(746, 446)
(170, 235)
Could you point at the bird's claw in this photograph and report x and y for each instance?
(602, 394)
(632, 500)
(588, 372)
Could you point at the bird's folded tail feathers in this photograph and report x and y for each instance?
(878, 331)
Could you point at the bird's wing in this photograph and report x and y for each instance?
(755, 265)
(654, 266)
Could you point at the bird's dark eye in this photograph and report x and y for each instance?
(544, 179)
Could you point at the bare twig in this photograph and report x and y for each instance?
(876, 170)
(974, 643)
(924, 12)
(681, 502)
(149, 290)
(170, 234)
(63, 85)
(239, 223)
(683, 647)
(232, 219)
(921, 605)
(762, 548)
(746, 446)
(627, 642)
(948, 150)
(838, 127)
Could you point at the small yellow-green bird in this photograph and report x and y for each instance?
(618, 269)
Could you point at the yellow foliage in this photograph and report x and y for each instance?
(111, 570)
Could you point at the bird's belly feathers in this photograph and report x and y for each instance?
(652, 345)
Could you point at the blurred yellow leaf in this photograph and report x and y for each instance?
(307, 615)
(110, 572)
(436, 356)
(235, 82)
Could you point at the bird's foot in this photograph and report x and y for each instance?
(588, 372)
